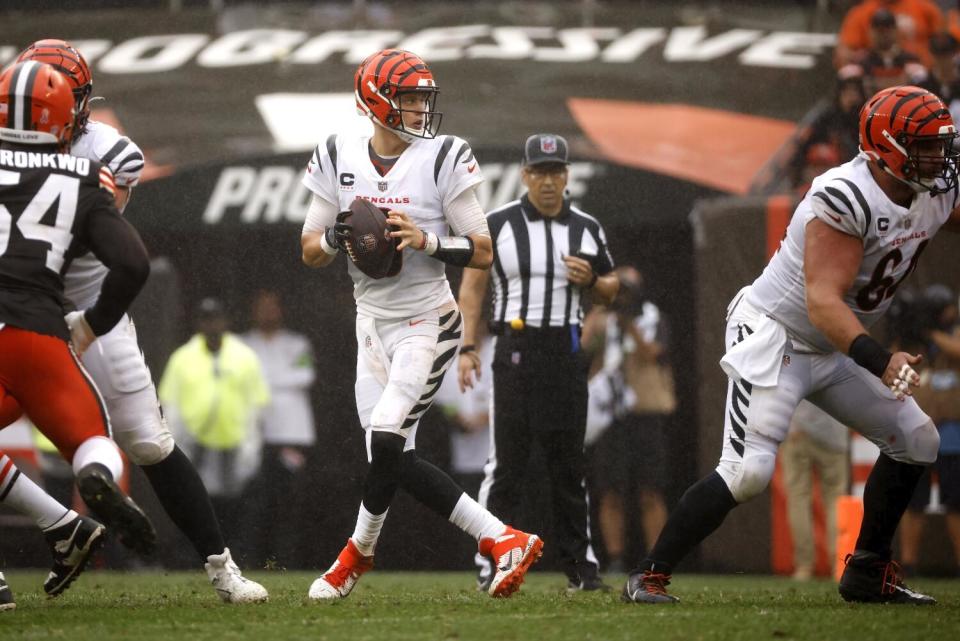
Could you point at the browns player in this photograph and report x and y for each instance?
(52, 206)
(800, 331)
(117, 365)
(408, 325)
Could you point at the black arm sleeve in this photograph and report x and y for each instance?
(454, 250)
(118, 246)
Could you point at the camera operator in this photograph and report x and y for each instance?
(930, 321)
(629, 337)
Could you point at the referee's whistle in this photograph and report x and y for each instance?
(517, 324)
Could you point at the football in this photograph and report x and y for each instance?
(370, 246)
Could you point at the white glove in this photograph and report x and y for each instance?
(81, 336)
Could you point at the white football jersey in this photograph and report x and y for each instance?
(848, 199)
(427, 176)
(102, 143)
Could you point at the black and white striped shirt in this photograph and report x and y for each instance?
(528, 273)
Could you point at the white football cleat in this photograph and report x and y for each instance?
(229, 583)
(338, 581)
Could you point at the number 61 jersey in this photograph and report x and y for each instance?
(848, 199)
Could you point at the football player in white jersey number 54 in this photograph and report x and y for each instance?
(408, 325)
(800, 331)
(115, 361)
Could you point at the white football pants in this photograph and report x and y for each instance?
(116, 364)
(757, 419)
(400, 365)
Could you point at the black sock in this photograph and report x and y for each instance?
(885, 498)
(184, 498)
(383, 475)
(701, 510)
(429, 484)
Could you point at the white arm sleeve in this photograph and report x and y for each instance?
(465, 215)
(322, 214)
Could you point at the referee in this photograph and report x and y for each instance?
(548, 256)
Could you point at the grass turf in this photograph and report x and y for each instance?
(400, 606)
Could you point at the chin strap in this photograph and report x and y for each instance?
(916, 185)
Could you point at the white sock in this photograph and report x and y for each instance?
(475, 520)
(26, 497)
(367, 532)
(99, 449)
(66, 518)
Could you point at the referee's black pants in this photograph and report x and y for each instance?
(540, 396)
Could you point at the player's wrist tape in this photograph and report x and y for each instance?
(869, 354)
(325, 243)
(430, 243)
(454, 250)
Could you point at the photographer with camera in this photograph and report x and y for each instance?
(928, 324)
(629, 337)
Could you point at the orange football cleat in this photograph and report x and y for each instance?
(512, 553)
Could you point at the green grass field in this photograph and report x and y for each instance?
(401, 606)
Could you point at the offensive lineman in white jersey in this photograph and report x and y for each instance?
(800, 331)
(115, 361)
(408, 325)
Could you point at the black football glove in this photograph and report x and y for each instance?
(338, 235)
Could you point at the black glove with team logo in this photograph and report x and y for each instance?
(341, 233)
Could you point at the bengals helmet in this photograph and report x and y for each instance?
(385, 76)
(66, 59)
(36, 106)
(910, 134)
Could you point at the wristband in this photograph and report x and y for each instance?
(423, 243)
(326, 247)
(869, 354)
(430, 243)
(593, 280)
(465, 349)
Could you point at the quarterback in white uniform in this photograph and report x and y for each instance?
(115, 361)
(800, 332)
(408, 325)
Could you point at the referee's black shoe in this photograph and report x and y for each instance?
(588, 584)
(585, 578)
(647, 586)
(870, 578)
